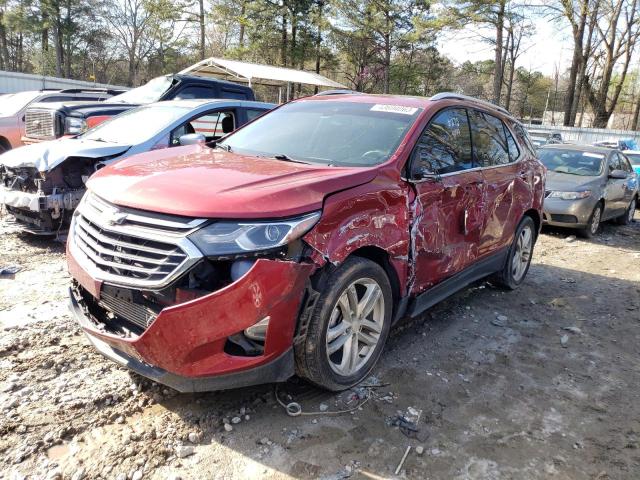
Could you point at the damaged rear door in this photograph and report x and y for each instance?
(449, 204)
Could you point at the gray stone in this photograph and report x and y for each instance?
(184, 451)
(419, 449)
(236, 420)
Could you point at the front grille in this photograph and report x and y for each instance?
(40, 124)
(129, 247)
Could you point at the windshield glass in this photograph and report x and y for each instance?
(326, 132)
(148, 93)
(573, 162)
(136, 125)
(14, 102)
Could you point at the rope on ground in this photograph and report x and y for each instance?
(294, 409)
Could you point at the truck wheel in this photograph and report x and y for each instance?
(627, 217)
(348, 326)
(594, 223)
(519, 256)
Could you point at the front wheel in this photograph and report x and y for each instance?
(519, 256)
(594, 223)
(348, 326)
(627, 217)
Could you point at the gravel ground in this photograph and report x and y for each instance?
(534, 384)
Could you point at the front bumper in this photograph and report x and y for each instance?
(28, 208)
(568, 213)
(184, 347)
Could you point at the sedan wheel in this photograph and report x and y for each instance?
(595, 220)
(627, 217)
(355, 326)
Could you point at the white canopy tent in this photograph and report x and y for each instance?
(257, 74)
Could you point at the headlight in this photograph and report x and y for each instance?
(74, 126)
(570, 195)
(234, 238)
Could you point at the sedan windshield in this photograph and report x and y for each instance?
(136, 126)
(573, 162)
(326, 132)
(14, 102)
(148, 93)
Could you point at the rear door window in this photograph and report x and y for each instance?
(196, 91)
(234, 94)
(445, 146)
(489, 140)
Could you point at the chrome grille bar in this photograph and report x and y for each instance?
(40, 124)
(129, 247)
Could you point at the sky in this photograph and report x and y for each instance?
(549, 46)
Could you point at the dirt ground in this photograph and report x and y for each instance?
(539, 383)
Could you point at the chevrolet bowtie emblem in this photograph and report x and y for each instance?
(116, 218)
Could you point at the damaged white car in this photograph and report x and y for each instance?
(41, 184)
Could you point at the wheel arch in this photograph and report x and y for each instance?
(5, 144)
(381, 257)
(535, 216)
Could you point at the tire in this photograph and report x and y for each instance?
(333, 370)
(519, 257)
(627, 217)
(594, 222)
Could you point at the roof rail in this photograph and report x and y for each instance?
(340, 91)
(113, 91)
(459, 96)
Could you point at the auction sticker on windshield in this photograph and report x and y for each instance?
(593, 155)
(393, 109)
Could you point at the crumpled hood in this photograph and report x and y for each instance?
(564, 182)
(196, 181)
(48, 155)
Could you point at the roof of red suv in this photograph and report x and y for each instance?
(408, 101)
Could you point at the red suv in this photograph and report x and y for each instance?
(295, 243)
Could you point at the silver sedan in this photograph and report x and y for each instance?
(587, 185)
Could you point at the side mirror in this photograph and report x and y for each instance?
(618, 174)
(421, 169)
(192, 139)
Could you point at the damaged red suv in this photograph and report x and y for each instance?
(295, 243)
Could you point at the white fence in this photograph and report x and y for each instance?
(587, 135)
(12, 82)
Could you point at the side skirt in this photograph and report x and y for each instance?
(446, 288)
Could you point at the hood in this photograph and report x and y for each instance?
(48, 155)
(83, 108)
(564, 182)
(196, 181)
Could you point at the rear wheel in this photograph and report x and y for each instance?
(519, 256)
(594, 223)
(627, 217)
(348, 327)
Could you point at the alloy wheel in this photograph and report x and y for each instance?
(522, 254)
(355, 326)
(632, 210)
(595, 220)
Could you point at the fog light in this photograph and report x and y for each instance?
(258, 331)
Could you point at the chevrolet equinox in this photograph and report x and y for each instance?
(294, 244)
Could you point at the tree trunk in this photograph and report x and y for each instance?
(243, 9)
(284, 47)
(68, 53)
(319, 42)
(4, 49)
(387, 63)
(498, 69)
(635, 123)
(201, 20)
(576, 60)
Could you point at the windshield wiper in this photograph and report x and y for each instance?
(99, 140)
(285, 158)
(226, 148)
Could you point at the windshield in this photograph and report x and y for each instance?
(14, 102)
(573, 162)
(326, 132)
(148, 93)
(136, 125)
